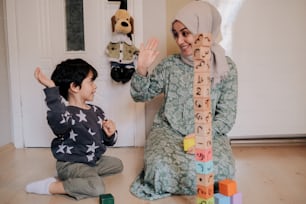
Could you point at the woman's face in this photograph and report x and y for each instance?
(183, 38)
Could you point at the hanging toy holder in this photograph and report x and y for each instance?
(121, 51)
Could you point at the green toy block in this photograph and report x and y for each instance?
(205, 201)
(106, 199)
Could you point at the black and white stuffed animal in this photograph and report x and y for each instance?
(121, 51)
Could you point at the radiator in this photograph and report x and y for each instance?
(269, 140)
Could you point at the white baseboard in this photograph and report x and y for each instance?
(269, 140)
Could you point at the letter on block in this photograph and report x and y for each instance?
(203, 155)
(222, 199)
(228, 187)
(106, 199)
(205, 179)
(205, 201)
(205, 192)
(204, 167)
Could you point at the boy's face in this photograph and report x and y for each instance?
(88, 88)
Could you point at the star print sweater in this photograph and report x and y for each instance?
(79, 134)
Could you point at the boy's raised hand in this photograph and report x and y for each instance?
(42, 78)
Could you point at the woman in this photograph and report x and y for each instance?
(168, 170)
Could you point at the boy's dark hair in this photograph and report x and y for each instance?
(71, 71)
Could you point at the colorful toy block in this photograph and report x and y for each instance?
(203, 142)
(205, 192)
(205, 201)
(227, 187)
(222, 199)
(202, 40)
(236, 198)
(205, 179)
(188, 143)
(106, 199)
(203, 155)
(204, 167)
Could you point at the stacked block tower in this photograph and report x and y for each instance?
(203, 131)
(203, 119)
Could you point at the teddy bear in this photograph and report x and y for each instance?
(121, 51)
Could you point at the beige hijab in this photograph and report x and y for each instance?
(202, 17)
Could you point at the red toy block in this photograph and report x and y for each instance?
(203, 155)
(227, 187)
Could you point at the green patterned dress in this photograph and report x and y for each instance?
(168, 170)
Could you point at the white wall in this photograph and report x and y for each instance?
(269, 48)
(266, 39)
(154, 25)
(5, 134)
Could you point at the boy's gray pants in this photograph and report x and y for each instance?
(83, 181)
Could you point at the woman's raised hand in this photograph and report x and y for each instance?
(147, 55)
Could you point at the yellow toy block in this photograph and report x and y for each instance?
(188, 143)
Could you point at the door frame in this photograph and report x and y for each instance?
(14, 67)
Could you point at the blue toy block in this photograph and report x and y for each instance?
(204, 167)
(222, 199)
(106, 199)
(236, 198)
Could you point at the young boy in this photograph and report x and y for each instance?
(81, 130)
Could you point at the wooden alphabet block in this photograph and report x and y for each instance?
(201, 53)
(203, 129)
(203, 142)
(204, 167)
(201, 66)
(205, 179)
(201, 80)
(202, 40)
(228, 187)
(205, 192)
(205, 201)
(198, 104)
(203, 155)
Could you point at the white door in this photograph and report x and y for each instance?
(40, 40)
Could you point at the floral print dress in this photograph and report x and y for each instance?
(168, 170)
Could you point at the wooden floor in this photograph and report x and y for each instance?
(271, 175)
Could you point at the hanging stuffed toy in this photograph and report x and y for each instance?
(121, 51)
